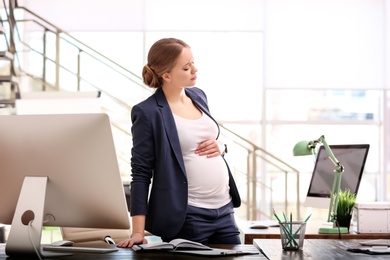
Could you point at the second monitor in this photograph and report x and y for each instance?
(352, 157)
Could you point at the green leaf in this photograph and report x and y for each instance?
(346, 202)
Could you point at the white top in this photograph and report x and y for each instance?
(208, 178)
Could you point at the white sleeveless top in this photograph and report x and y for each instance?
(208, 179)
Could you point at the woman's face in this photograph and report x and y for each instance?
(183, 74)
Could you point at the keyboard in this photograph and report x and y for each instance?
(80, 249)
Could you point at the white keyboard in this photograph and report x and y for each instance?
(80, 249)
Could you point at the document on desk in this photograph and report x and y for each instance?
(80, 249)
(215, 252)
(374, 250)
(375, 242)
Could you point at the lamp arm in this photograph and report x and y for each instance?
(334, 195)
(332, 157)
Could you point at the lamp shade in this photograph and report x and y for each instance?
(302, 148)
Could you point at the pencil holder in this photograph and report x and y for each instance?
(292, 234)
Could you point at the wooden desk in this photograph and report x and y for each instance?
(127, 253)
(324, 249)
(248, 234)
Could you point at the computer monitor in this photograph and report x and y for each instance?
(58, 170)
(352, 157)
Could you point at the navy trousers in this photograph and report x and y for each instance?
(210, 226)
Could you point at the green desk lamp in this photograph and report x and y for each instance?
(308, 148)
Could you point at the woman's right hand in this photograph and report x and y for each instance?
(135, 239)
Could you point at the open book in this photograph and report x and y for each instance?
(172, 245)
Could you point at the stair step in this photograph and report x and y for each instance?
(9, 78)
(7, 102)
(6, 55)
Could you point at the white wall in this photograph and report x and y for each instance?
(387, 42)
(90, 15)
(308, 44)
(325, 44)
(152, 15)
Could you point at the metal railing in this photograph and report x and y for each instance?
(259, 160)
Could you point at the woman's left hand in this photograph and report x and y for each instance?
(210, 148)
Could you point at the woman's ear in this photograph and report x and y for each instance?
(166, 77)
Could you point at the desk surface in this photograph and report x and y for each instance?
(324, 249)
(249, 234)
(127, 253)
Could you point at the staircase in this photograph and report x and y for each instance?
(9, 87)
(53, 60)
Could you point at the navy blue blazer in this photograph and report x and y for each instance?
(156, 153)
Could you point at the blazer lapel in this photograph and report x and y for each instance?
(202, 104)
(170, 127)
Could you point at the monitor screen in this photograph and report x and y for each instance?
(352, 157)
(65, 164)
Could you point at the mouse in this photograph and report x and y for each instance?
(259, 226)
(62, 243)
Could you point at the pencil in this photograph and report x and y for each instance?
(288, 233)
(284, 216)
(276, 216)
(308, 217)
(296, 232)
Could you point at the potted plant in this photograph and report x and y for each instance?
(345, 205)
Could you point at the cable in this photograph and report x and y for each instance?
(109, 240)
(338, 227)
(31, 240)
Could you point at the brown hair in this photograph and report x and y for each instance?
(162, 58)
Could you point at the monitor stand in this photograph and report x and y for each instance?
(26, 229)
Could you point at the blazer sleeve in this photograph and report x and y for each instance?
(142, 158)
